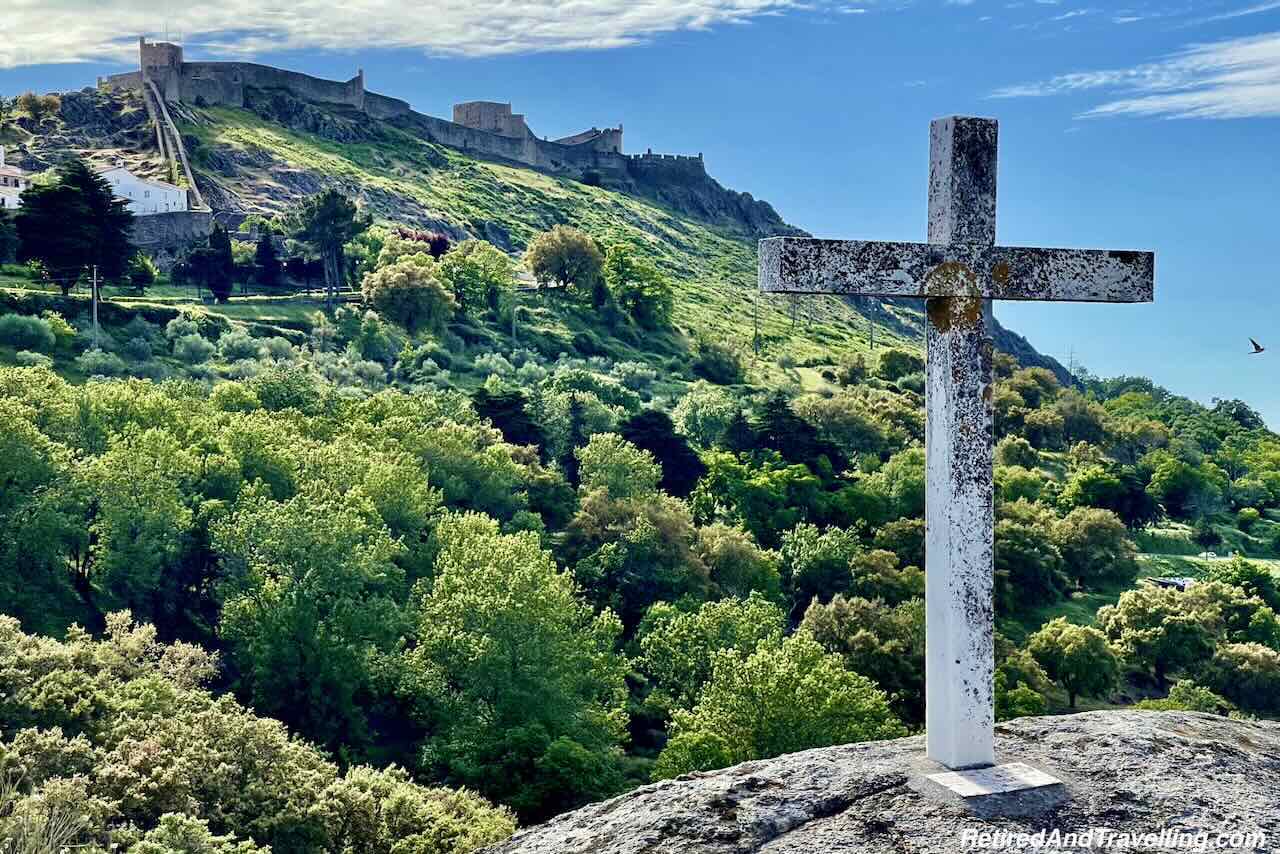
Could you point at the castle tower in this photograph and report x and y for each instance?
(161, 63)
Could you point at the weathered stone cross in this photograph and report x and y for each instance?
(959, 272)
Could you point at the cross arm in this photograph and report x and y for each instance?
(864, 268)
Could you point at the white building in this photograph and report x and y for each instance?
(12, 182)
(145, 197)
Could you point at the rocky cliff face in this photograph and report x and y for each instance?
(1139, 772)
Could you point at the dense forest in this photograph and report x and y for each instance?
(422, 567)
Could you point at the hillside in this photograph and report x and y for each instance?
(262, 159)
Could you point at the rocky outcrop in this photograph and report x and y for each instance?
(1139, 772)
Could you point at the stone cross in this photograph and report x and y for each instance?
(958, 272)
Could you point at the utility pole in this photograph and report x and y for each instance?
(872, 322)
(95, 307)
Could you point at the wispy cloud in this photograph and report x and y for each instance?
(1233, 79)
(47, 31)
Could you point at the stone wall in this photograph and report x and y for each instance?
(166, 236)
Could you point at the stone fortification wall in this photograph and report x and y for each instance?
(166, 236)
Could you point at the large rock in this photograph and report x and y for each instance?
(1141, 772)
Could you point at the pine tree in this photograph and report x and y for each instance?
(266, 262)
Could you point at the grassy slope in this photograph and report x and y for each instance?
(715, 271)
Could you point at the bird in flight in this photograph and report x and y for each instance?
(1257, 348)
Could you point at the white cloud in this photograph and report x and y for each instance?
(46, 31)
(1237, 78)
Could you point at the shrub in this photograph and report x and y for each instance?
(28, 359)
(409, 294)
(142, 271)
(1247, 518)
(634, 375)
(914, 381)
(279, 349)
(27, 333)
(717, 362)
(64, 333)
(101, 363)
(181, 326)
(852, 370)
(896, 364)
(138, 349)
(493, 363)
(238, 344)
(192, 349)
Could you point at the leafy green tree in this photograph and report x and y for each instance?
(677, 647)
(704, 413)
(1247, 674)
(846, 420)
(312, 594)
(784, 697)
(1185, 491)
(74, 224)
(478, 275)
(1043, 429)
(1028, 563)
(1095, 547)
(737, 565)
(1076, 657)
(883, 643)
(120, 734)
(326, 223)
(1252, 578)
(902, 482)
(410, 294)
(630, 553)
(905, 538)
(565, 258)
(1152, 629)
(38, 108)
(765, 496)
(513, 663)
(1016, 451)
(268, 271)
(612, 463)
(635, 284)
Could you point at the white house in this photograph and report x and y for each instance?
(145, 197)
(12, 182)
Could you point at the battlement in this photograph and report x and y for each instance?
(486, 128)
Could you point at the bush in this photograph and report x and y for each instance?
(717, 363)
(493, 363)
(279, 349)
(27, 333)
(408, 293)
(1247, 518)
(138, 349)
(634, 375)
(896, 364)
(237, 345)
(192, 349)
(101, 363)
(28, 359)
(181, 326)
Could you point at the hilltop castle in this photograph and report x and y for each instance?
(484, 128)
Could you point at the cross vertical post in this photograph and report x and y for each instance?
(959, 505)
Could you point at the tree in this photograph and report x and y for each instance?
(1095, 547)
(566, 258)
(142, 272)
(642, 292)
(678, 647)
(1187, 696)
(738, 567)
(1247, 674)
(266, 262)
(784, 697)
(38, 107)
(1028, 563)
(219, 269)
(478, 275)
(73, 225)
(513, 663)
(410, 294)
(311, 592)
(885, 644)
(1077, 657)
(1153, 629)
(1252, 578)
(652, 430)
(327, 222)
(704, 412)
(612, 463)
(896, 364)
(8, 239)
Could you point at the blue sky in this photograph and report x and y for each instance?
(1150, 124)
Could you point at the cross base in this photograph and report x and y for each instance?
(1012, 789)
